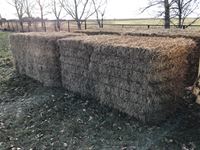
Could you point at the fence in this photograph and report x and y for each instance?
(70, 25)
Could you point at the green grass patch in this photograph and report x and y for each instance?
(6, 65)
(5, 53)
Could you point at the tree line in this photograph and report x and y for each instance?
(78, 9)
(83, 9)
(180, 9)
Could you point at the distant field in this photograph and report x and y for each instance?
(135, 21)
(151, 21)
(92, 24)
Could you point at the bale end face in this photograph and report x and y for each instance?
(37, 55)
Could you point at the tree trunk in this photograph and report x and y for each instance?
(99, 23)
(102, 21)
(180, 21)
(43, 25)
(21, 25)
(78, 24)
(58, 24)
(29, 26)
(180, 14)
(167, 14)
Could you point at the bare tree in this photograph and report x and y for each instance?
(78, 9)
(166, 6)
(57, 10)
(99, 8)
(29, 6)
(42, 6)
(20, 9)
(167, 14)
(181, 9)
(1, 22)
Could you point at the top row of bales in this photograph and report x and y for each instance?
(173, 33)
(142, 76)
(193, 57)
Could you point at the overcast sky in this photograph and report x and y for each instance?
(115, 9)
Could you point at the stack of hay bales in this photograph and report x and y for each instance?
(186, 33)
(37, 55)
(194, 34)
(193, 57)
(99, 32)
(142, 76)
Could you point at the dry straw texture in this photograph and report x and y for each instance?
(99, 32)
(142, 76)
(193, 57)
(37, 55)
(164, 32)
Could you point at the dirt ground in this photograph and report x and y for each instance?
(33, 117)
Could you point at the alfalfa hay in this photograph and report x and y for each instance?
(37, 55)
(142, 76)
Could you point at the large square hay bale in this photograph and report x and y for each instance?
(194, 34)
(99, 32)
(142, 76)
(37, 55)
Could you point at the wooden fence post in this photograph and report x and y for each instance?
(45, 28)
(68, 26)
(13, 28)
(85, 25)
(102, 23)
(1, 23)
(55, 26)
(8, 25)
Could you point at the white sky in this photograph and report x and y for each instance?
(115, 9)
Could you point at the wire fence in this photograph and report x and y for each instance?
(71, 25)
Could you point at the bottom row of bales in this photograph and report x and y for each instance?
(141, 76)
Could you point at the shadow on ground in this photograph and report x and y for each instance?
(32, 116)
